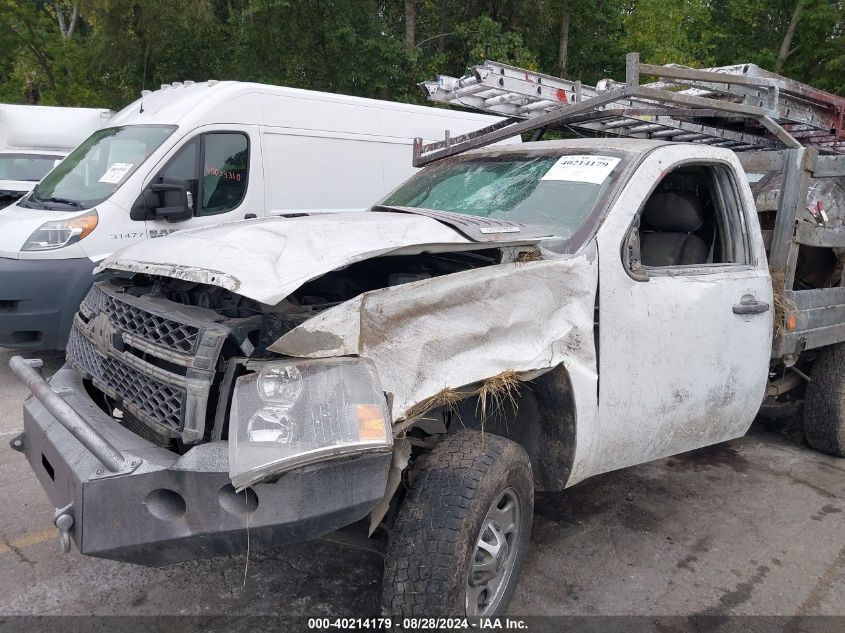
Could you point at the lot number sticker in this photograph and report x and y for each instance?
(582, 168)
(115, 173)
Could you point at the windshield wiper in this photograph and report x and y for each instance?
(70, 203)
(474, 227)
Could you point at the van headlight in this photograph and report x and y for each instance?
(61, 233)
(289, 413)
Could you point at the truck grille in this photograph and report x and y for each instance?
(156, 359)
(155, 329)
(144, 396)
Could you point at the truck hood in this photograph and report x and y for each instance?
(266, 260)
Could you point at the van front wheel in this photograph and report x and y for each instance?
(461, 535)
(824, 403)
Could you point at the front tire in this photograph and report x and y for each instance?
(461, 535)
(824, 404)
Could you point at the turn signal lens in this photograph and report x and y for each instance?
(370, 422)
(84, 224)
(791, 322)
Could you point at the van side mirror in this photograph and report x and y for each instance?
(170, 199)
(631, 255)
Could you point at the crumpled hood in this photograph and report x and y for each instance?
(266, 260)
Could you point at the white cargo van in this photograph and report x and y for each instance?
(34, 139)
(190, 155)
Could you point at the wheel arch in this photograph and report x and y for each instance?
(542, 419)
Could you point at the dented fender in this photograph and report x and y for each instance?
(462, 329)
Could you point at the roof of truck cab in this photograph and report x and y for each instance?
(174, 104)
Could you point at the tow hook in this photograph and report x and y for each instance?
(17, 443)
(64, 521)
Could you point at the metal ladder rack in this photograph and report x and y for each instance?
(741, 107)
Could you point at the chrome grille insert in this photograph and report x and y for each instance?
(143, 396)
(155, 358)
(145, 325)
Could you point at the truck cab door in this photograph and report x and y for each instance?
(685, 310)
(213, 177)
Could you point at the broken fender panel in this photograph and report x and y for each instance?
(266, 260)
(448, 332)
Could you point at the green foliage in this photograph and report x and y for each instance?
(357, 46)
(485, 39)
(669, 31)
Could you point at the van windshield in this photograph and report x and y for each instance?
(556, 192)
(95, 169)
(26, 167)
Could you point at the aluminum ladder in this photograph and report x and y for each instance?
(741, 107)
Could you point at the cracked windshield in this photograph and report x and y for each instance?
(553, 193)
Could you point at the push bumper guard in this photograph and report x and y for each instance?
(120, 497)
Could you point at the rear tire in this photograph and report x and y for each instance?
(824, 405)
(461, 534)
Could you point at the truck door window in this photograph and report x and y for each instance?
(225, 171)
(693, 218)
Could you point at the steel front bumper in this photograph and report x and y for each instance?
(150, 506)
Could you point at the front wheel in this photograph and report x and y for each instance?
(461, 534)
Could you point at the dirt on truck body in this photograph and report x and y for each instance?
(508, 320)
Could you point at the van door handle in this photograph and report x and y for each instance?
(250, 216)
(750, 305)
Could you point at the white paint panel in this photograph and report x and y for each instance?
(47, 127)
(429, 123)
(314, 113)
(396, 165)
(678, 369)
(314, 172)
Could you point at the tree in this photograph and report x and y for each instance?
(563, 42)
(67, 27)
(668, 31)
(102, 52)
(410, 25)
(786, 46)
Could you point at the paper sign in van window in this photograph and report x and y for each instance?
(582, 168)
(115, 173)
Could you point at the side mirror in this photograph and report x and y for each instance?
(175, 200)
(170, 198)
(142, 208)
(631, 254)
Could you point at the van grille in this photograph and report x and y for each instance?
(156, 359)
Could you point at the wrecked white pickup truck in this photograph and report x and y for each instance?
(508, 320)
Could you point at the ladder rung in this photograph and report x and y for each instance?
(740, 106)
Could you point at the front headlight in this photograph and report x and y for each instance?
(61, 233)
(295, 412)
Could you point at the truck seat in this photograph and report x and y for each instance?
(666, 238)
